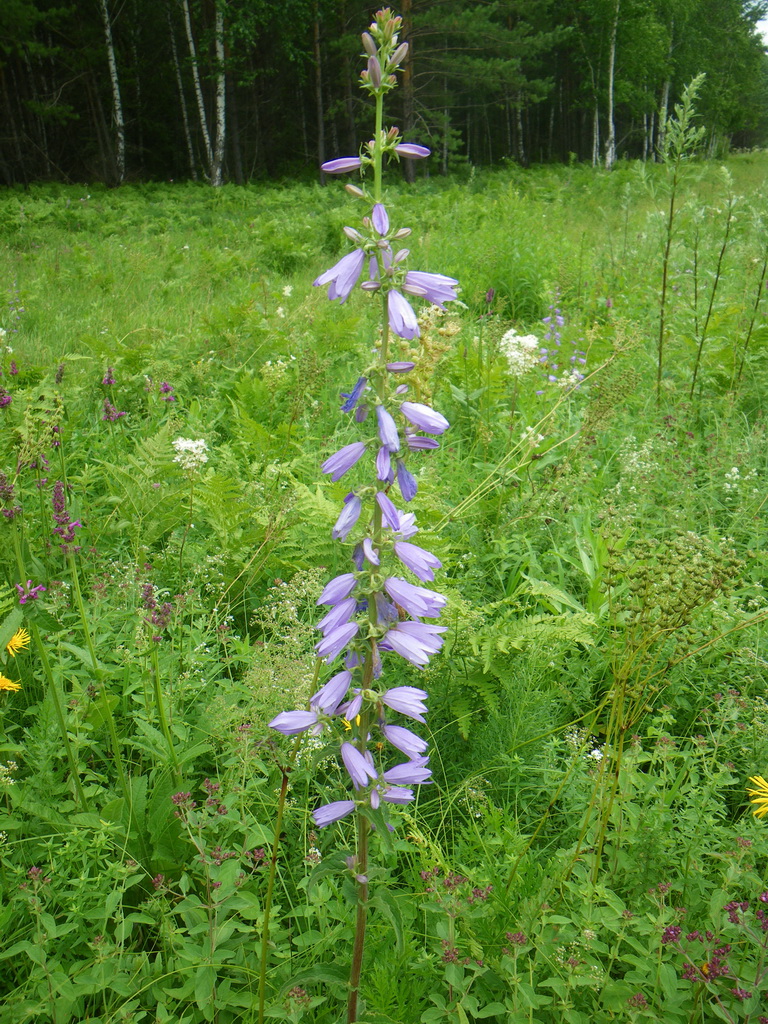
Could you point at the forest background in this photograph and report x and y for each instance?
(111, 90)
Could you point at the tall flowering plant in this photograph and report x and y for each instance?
(377, 616)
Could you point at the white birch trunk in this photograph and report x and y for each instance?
(198, 87)
(610, 144)
(117, 106)
(596, 136)
(221, 99)
(182, 100)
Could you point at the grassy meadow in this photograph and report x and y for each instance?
(588, 851)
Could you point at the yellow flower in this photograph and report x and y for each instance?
(759, 796)
(18, 642)
(8, 684)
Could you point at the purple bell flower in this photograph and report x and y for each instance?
(424, 418)
(328, 697)
(387, 429)
(417, 601)
(354, 396)
(408, 700)
(435, 288)
(341, 165)
(414, 771)
(334, 642)
(343, 276)
(406, 481)
(335, 811)
(398, 796)
(337, 589)
(380, 219)
(337, 616)
(348, 517)
(357, 766)
(420, 562)
(291, 723)
(414, 641)
(402, 319)
(406, 741)
(343, 460)
(389, 514)
(383, 464)
(411, 151)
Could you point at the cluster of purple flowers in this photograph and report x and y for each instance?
(386, 269)
(28, 592)
(111, 413)
(374, 612)
(550, 352)
(65, 526)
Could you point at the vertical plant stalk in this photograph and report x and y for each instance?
(160, 705)
(285, 771)
(758, 297)
(664, 279)
(109, 717)
(715, 283)
(361, 915)
(53, 689)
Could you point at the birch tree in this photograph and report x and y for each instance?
(117, 104)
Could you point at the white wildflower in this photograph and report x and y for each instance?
(288, 291)
(521, 350)
(190, 454)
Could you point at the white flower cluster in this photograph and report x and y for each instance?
(190, 454)
(733, 479)
(521, 351)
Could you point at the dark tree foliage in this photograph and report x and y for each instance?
(486, 81)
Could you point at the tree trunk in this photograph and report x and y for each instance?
(596, 135)
(198, 88)
(217, 164)
(319, 113)
(117, 106)
(182, 100)
(610, 145)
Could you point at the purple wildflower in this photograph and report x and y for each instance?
(406, 481)
(357, 765)
(414, 641)
(291, 723)
(110, 412)
(335, 811)
(334, 642)
(343, 276)
(337, 589)
(354, 396)
(425, 418)
(341, 165)
(337, 616)
(417, 601)
(166, 392)
(420, 562)
(348, 517)
(406, 741)
(380, 219)
(387, 429)
(411, 151)
(402, 319)
(414, 772)
(343, 460)
(400, 367)
(109, 378)
(28, 592)
(389, 514)
(408, 700)
(435, 288)
(383, 464)
(5, 398)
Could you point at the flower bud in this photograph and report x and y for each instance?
(401, 255)
(392, 134)
(374, 71)
(401, 232)
(354, 191)
(391, 79)
(398, 55)
(369, 45)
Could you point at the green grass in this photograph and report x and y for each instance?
(599, 704)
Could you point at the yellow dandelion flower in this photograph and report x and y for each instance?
(8, 684)
(759, 796)
(18, 642)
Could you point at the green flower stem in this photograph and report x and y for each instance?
(361, 868)
(58, 705)
(160, 705)
(285, 771)
(98, 675)
(377, 146)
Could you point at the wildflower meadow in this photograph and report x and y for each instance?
(382, 592)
